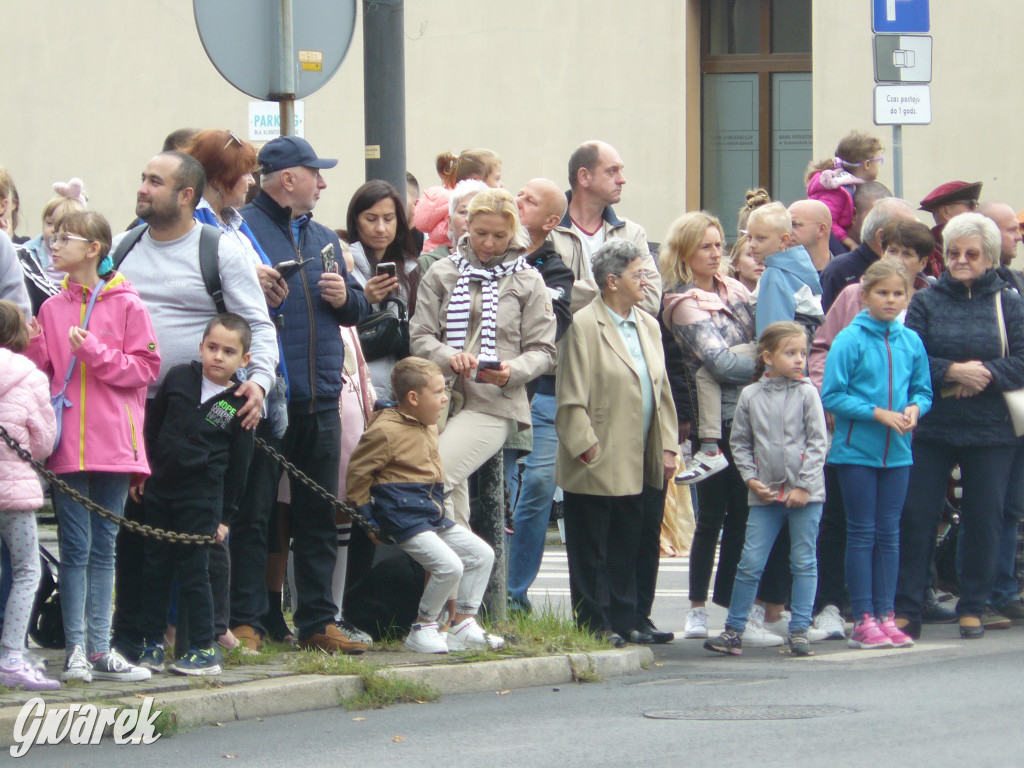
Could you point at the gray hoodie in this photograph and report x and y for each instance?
(778, 436)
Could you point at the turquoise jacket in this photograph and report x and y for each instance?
(873, 364)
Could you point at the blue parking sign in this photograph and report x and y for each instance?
(899, 16)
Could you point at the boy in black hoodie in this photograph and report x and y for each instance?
(199, 455)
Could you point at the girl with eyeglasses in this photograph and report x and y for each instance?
(857, 159)
(98, 331)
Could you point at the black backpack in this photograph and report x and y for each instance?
(209, 242)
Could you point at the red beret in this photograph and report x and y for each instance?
(951, 192)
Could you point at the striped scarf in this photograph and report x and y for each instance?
(460, 307)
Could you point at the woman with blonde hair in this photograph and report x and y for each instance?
(708, 314)
(485, 316)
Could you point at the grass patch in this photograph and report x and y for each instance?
(204, 682)
(540, 633)
(380, 688)
(269, 653)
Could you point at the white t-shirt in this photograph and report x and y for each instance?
(210, 389)
(590, 242)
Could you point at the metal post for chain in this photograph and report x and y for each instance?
(489, 525)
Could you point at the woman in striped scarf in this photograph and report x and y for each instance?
(484, 315)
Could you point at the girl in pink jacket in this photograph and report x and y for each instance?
(858, 159)
(101, 451)
(26, 414)
(431, 214)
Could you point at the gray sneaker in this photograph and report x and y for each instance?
(76, 666)
(112, 666)
(1013, 610)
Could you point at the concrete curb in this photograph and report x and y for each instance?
(301, 693)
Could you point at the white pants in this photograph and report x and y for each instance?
(456, 559)
(469, 439)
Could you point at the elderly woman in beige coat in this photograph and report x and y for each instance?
(484, 315)
(616, 426)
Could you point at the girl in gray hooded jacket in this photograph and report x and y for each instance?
(779, 445)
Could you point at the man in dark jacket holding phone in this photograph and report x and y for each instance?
(322, 297)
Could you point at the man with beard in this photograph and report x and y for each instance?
(163, 266)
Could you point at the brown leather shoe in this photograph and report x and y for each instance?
(247, 637)
(333, 640)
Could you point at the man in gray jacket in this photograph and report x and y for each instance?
(163, 266)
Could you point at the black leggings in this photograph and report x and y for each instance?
(722, 509)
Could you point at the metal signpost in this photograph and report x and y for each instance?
(901, 58)
(275, 50)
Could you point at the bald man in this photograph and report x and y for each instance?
(541, 206)
(812, 225)
(1009, 228)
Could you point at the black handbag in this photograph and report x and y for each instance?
(384, 333)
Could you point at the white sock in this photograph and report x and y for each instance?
(340, 567)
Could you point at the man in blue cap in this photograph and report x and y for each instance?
(321, 297)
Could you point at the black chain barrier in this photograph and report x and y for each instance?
(174, 536)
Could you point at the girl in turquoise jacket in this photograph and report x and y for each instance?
(877, 385)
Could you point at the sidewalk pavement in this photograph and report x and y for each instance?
(250, 691)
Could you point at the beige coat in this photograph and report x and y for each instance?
(600, 401)
(584, 290)
(525, 335)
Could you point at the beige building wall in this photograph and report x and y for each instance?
(976, 114)
(93, 88)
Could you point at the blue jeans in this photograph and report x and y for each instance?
(1006, 587)
(533, 510)
(763, 526)
(873, 498)
(87, 557)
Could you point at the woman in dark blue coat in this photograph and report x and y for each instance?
(968, 425)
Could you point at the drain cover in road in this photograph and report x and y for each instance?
(749, 712)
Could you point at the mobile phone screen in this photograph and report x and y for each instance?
(388, 269)
(327, 257)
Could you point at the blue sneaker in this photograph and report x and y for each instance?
(198, 661)
(153, 658)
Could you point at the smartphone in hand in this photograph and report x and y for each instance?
(327, 257)
(388, 268)
(288, 268)
(486, 365)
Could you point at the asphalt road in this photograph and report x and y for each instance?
(945, 702)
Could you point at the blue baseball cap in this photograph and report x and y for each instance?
(291, 152)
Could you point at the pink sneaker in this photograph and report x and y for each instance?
(867, 636)
(27, 679)
(900, 639)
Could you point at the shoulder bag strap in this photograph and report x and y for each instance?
(85, 324)
(1002, 324)
(127, 244)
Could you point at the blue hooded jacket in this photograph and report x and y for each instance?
(789, 289)
(874, 364)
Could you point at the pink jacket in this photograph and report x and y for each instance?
(839, 202)
(847, 306)
(26, 414)
(430, 216)
(102, 430)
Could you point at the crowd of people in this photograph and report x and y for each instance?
(830, 373)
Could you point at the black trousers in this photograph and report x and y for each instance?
(648, 558)
(188, 562)
(602, 538)
(313, 444)
(248, 539)
(722, 510)
(831, 546)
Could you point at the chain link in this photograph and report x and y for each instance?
(187, 538)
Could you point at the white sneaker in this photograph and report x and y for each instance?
(696, 624)
(467, 635)
(755, 635)
(830, 621)
(703, 466)
(781, 628)
(424, 638)
(76, 666)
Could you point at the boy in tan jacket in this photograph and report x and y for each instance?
(395, 477)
